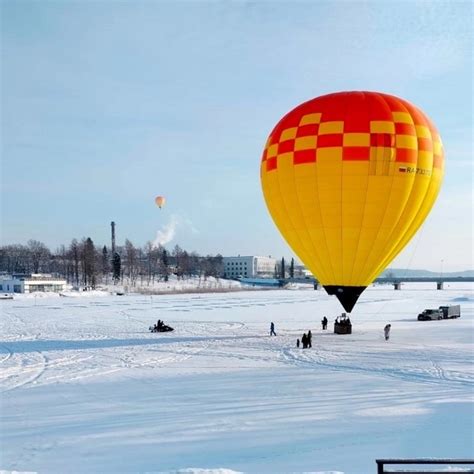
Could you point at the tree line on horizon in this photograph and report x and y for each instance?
(82, 263)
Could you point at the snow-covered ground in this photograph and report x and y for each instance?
(86, 388)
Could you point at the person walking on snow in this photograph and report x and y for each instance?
(272, 329)
(386, 331)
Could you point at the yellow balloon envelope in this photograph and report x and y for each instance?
(160, 201)
(348, 179)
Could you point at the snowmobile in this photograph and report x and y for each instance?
(162, 328)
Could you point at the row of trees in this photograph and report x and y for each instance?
(82, 263)
(282, 272)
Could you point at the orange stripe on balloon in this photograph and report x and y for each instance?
(425, 144)
(405, 129)
(406, 155)
(438, 161)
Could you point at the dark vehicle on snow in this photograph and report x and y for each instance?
(443, 312)
(160, 326)
(430, 315)
(162, 329)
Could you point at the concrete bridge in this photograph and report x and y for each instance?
(395, 281)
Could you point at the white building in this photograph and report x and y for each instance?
(32, 283)
(249, 267)
(302, 272)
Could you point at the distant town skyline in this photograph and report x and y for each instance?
(106, 105)
(120, 246)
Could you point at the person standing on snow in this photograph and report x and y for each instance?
(324, 322)
(309, 337)
(272, 329)
(386, 331)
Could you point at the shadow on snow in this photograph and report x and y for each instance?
(65, 345)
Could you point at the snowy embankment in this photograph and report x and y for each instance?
(179, 285)
(86, 388)
(174, 285)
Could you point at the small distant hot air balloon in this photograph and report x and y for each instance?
(348, 179)
(160, 201)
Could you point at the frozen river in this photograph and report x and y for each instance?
(86, 388)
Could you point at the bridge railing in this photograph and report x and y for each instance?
(381, 463)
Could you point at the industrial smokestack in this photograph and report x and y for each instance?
(113, 237)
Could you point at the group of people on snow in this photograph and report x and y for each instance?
(306, 339)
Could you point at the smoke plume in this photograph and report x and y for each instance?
(166, 233)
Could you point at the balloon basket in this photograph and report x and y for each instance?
(342, 325)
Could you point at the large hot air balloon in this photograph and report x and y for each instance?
(348, 179)
(160, 201)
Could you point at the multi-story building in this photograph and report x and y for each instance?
(248, 267)
(32, 283)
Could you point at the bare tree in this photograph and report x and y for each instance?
(63, 263)
(215, 266)
(194, 265)
(178, 256)
(142, 266)
(131, 262)
(74, 258)
(39, 254)
(81, 262)
(15, 258)
(152, 257)
(186, 264)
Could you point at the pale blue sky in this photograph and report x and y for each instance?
(107, 104)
